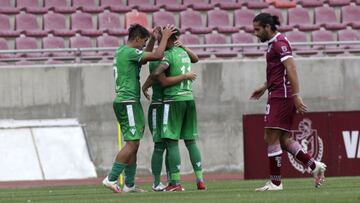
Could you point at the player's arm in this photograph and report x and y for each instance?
(158, 54)
(168, 81)
(148, 83)
(153, 37)
(193, 57)
(258, 92)
(294, 82)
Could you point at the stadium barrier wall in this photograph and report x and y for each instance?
(332, 137)
(222, 91)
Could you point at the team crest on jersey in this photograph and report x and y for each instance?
(311, 142)
(284, 48)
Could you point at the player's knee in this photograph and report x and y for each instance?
(134, 145)
(189, 142)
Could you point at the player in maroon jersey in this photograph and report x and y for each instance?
(283, 101)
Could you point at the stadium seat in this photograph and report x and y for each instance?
(215, 38)
(191, 39)
(83, 24)
(110, 23)
(171, 5)
(245, 38)
(4, 46)
(143, 5)
(30, 43)
(226, 5)
(24, 62)
(87, 6)
(311, 3)
(199, 5)
(243, 19)
(357, 2)
(106, 42)
(5, 28)
(326, 17)
(349, 35)
(277, 12)
(136, 17)
(192, 21)
(300, 18)
(254, 4)
(117, 6)
(52, 42)
(298, 36)
(350, 15)
(59, 6)
(283, 4)
(163, 18)
(55, 23)
(333, 3)
(31, 6)
(82, 42)
(28, 24)
(7, 8)
(219, 20)
(325, 36)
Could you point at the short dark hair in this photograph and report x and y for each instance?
(137, 30)
(175, 35)
(267, 19)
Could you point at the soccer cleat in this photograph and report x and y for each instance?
(112, 185)
(171, 188)
(159, 188)
(269, 186)
(201, 185)
(132, 189)
(318, 173)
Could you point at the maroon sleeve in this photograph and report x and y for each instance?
(283, 50)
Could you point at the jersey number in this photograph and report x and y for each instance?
(185, 83)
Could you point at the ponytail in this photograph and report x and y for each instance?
(267, 19)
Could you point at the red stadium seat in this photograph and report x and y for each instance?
(59, 6)
(349, 35)
(82, 23)
(300, 18)
(199, 5)
(7, 8)
(246, 38)
(171, 5)
(136, 17)
(226, 5)
(4, 46)
(55, 23)
(298, 36)
(311, 3)
(30, 43)
(107, 41)
(87, 6)
(284, 4)
(243, 19)
(82, 42)
(5, 28)
(110, 23)
(191, 39)
(325, 36)
(28, 24)
(277, 12)
(333, 3)
(350, 16)
(325, 16)
(215, 38)
(219, 19)
(31, 6)
(115, 6)
(143, 5)
(192, 21)
(55, 43)
(254, 4)
(163, 18)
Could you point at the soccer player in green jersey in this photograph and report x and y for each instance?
(156, 110)
(179, 114)
(128, 110)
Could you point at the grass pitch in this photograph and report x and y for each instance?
(339, 189)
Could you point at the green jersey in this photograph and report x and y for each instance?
(179, 63)
(157, 94)
(127, 73)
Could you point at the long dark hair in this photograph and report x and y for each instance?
(267, 19)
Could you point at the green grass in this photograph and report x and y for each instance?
(341, 189)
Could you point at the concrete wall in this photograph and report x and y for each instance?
(222, 90)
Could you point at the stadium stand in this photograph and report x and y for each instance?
(41, 20)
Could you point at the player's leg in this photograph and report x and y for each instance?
(172, 122)
(294, 148)
(189, 134)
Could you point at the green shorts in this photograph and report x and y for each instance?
(179, 120)
(155, 114)
(131, 119)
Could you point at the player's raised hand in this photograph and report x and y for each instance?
(299, 104)
(145, 92)
(258, 93)
(168, 31)
(191, 76)
(156, 33)
(178, 43)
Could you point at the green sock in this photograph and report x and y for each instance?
(195, 158)
(116, 171)
(174, 161)
(167, 167)
(156, 161)
(130, 172)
